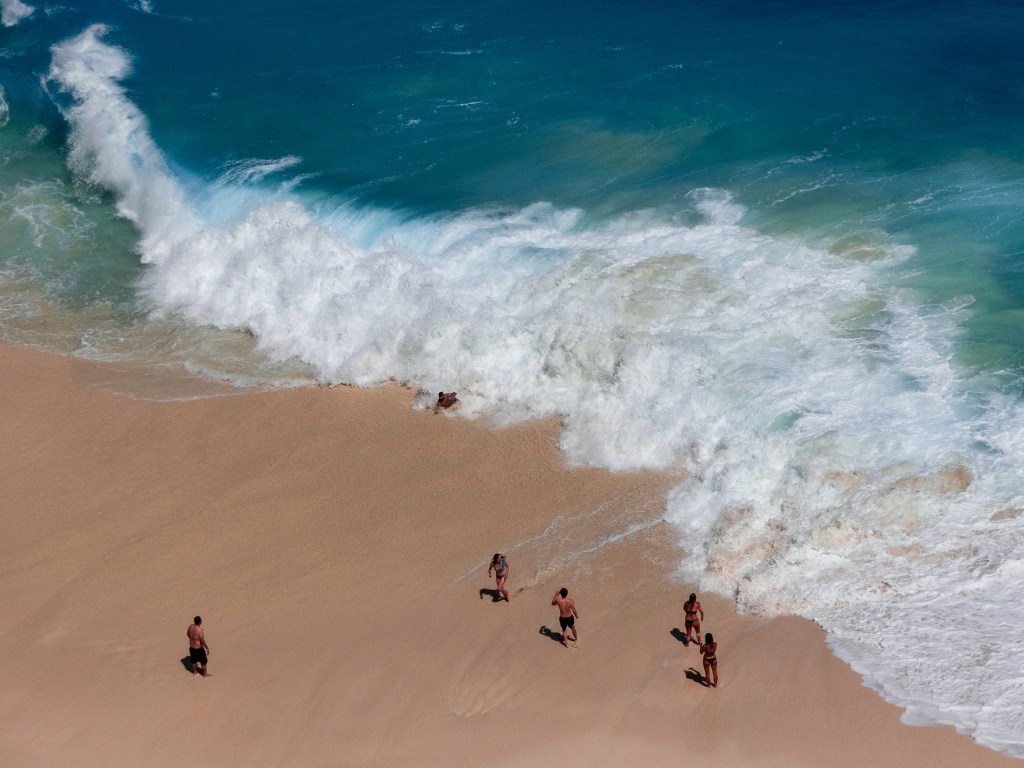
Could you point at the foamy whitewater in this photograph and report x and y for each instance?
(854, 453)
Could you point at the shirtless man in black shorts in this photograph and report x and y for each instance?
(197, 647)
(567, 614)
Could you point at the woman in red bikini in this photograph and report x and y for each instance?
(710, 648)
(692, 608)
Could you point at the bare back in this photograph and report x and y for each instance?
(566, 607)
(195, 636)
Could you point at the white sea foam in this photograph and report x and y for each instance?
(840, 467)
(14, 11)
(110, 145)
(255, 170)
(5, 110)
(53, 221)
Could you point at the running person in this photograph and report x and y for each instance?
(501, 572)
(692, 608)
(710, 650)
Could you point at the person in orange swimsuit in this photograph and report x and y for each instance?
(710, 650)
(692, 608)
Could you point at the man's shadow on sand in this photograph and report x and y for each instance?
(556, 636)
(494, 594)
(187, 664)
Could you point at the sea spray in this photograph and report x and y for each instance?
(110, 146)
(14, 11)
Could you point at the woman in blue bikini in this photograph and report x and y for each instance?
(501, 571)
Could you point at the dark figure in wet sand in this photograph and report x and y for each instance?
(710, 650)
(197, 647)
(691, 607)
(567, 614)
(446, 399)
(501, 572)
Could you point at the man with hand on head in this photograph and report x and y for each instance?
(567, 614)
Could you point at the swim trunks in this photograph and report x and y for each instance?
(566, 621)
(198, 655)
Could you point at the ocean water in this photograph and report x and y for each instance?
(776, 243)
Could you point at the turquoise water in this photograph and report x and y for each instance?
(775, 244)
(898, 121)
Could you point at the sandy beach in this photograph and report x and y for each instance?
(336, 542)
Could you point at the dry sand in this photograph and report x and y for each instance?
(335, 542)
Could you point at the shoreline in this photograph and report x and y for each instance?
(335, 541)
